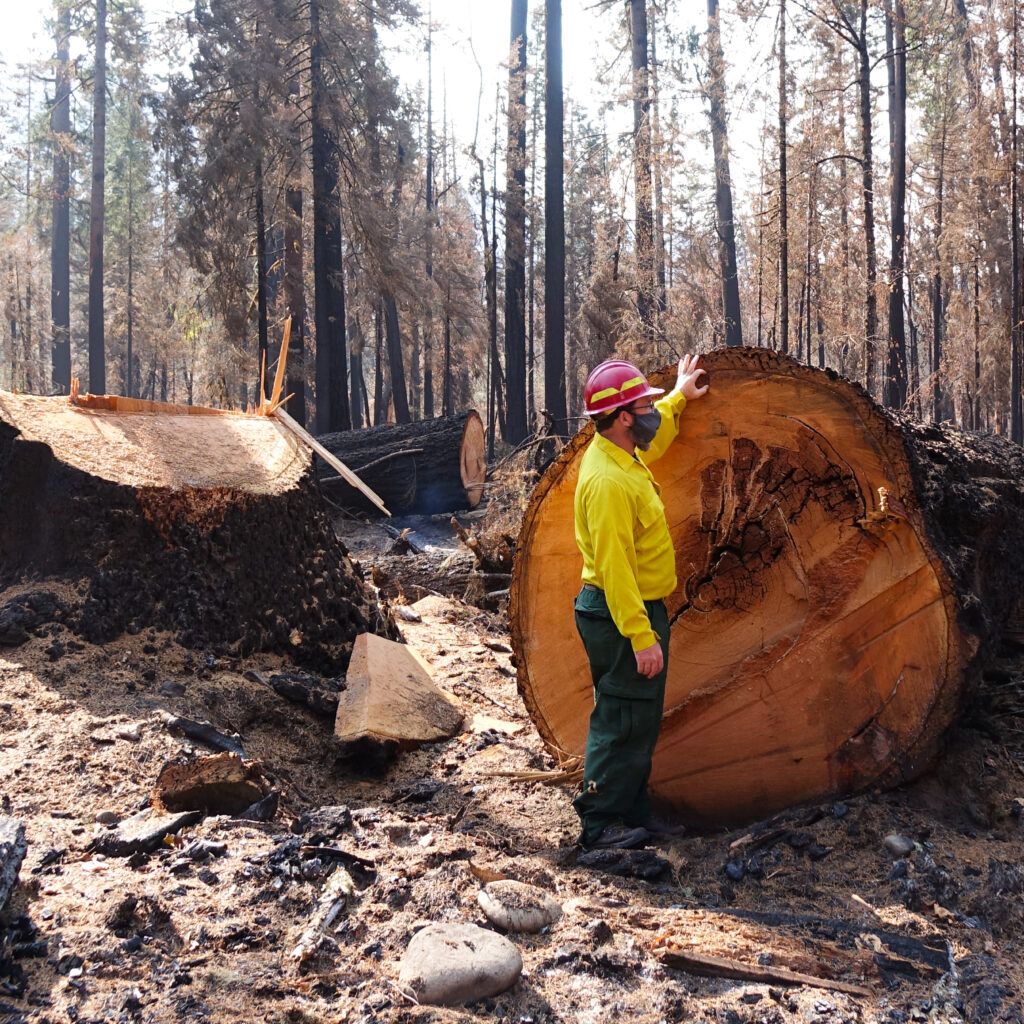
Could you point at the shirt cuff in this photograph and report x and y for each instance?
(646, 639)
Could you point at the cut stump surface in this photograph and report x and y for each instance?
(818, 642)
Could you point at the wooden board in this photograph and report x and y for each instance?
(815, 648)
(390, 697)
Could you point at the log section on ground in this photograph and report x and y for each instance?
(820, 644)
(210, 526)
(427, 466)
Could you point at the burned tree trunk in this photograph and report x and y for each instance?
(843, 577)
(427, 466)
(210, 526)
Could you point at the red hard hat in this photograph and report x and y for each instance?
(613, 384)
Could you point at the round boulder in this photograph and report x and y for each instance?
(450, 964)
(518, 907)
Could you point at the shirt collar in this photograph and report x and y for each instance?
(613, 451)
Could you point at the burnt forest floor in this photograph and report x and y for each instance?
(210, 926)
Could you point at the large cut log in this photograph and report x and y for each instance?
(428, 466)
(843, 577)
(210, 526)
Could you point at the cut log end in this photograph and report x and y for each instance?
(815, 648)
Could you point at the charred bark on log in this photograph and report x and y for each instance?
(424, 467)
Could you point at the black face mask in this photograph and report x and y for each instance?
(645, 426)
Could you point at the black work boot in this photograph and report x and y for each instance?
(618, 836)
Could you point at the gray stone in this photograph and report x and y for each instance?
(450, 964)
(518, 907)
(899, 846)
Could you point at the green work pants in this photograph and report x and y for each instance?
(625, 722)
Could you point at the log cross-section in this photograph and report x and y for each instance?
(821, 636)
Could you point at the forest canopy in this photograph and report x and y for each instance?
(838, 180)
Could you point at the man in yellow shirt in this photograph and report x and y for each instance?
(628, 570)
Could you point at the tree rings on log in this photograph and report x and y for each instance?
(426, 467)
(210, 526)
(822, 630)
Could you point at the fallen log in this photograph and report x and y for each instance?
(427, 466)
(209, 524)
(843, 577)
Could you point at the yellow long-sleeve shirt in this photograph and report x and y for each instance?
(621, 529)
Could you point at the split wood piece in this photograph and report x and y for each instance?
(842, 578)
(426, 467)
(720, 967)
(13, 846)
(144, 832)
(210, 526)
(201, 732)
(218, 784)
(389, 697)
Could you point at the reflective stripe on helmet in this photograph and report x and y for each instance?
(608, 392)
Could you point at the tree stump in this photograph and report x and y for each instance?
(842, 578)
(426, 467)
(209, 526)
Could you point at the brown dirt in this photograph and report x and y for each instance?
(166, 937)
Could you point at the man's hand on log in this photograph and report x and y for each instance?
(651, 660)
(687, 377)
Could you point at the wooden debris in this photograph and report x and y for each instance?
(300, 690)
(202, 732)
(335, 898)
(12, 852)
(144, 832)
(720, 967)
(390, 697)
(219, 784)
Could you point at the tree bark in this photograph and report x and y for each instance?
(868, 188)
(429, 466)
(783, 189)
(515, 232)
(97, 354)
(896, 37)
(723, 182)
(554, 224)
(823, 637)
(60, 242)
(296, 300)
(645, 304)
(332, 408)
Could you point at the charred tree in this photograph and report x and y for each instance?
(60, 241)
(723, 182)
(515, 232)
(844, 576)
(97, 348)
(554, 222)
